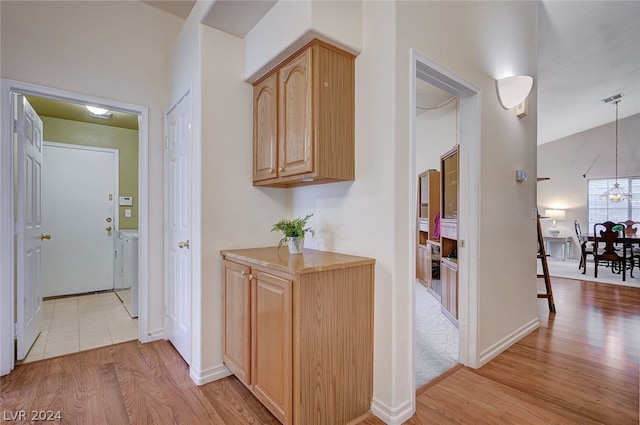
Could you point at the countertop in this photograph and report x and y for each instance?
(309, 261)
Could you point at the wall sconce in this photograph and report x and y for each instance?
(512, 91)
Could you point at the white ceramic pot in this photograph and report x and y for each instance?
(296, 245)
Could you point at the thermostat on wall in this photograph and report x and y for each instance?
(126, 200)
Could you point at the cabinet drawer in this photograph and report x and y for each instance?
(449, 230)
(423, 224)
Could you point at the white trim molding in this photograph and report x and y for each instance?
(425, 69)
(490, 353)
(393, 415)
(201, 377)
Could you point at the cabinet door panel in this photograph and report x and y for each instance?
(295, 151)
(237, 320)
(272, 344)
(265, 122)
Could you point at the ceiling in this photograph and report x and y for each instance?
(180, 8)
(77, 112)
(587, 51)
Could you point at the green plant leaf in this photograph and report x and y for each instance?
(295, 228)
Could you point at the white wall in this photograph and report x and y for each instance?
(590, 153)
(482, 41)
(436, 133)
(291, 24)
(371, 215)
(115, 50)
(231, 213)
(235, 214)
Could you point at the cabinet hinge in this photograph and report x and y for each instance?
(166, 311)
(17, 126)
(16, 327)
(166, 143)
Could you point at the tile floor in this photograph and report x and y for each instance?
(78, 323)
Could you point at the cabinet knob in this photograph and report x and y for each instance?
(184, 244)
(243, 273)
(250, 276)
(281, 169)
(270, 170)
(108, 228)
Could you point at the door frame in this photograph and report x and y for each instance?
(7, 254)
(431, 72)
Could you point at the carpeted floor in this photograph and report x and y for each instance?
(436, 338)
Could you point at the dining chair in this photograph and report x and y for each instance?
(611, 245)
(631, 231)
(586, 247)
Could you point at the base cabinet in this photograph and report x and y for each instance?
(423, 265)
(299, 332)
(449, 298)
(271, 343)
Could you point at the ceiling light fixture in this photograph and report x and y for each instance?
(97, 112)
(512, 91)
(615, 194)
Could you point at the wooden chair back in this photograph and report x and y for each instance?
(630, 227)
(605, 235)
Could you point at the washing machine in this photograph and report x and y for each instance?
(126, 269)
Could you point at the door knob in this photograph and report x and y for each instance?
(184, 244)
(45, 236)
(108, 229)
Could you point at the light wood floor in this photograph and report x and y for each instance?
(580, 367)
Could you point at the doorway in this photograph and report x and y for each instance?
(436, 332)
(426, 71)
(7, 288)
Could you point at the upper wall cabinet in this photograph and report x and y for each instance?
(303, 119)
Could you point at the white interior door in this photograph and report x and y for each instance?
(79, 193)
(29, 235)
(178, 227)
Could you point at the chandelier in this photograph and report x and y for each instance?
(615, 194)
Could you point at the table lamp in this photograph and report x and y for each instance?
(554, 215)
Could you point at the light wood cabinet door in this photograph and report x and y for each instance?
(314, 116)
(272, 344)
(237, 320)
(449, 279)
(423, 271)
(294, 139)
(265, 125)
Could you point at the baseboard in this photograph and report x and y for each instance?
(487, 355)
(154, 336)
(393, 415)
(208, 375)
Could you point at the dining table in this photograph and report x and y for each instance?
(629, 241)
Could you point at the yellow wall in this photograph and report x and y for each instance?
(126, 141)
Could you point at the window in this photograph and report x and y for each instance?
(601, 210)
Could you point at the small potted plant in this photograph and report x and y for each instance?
(294, 231)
